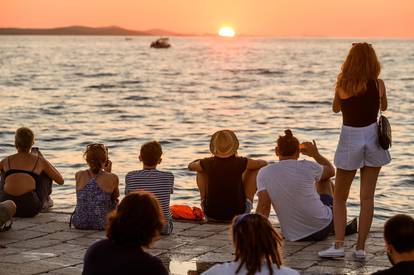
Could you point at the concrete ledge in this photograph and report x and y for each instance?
(46, 245)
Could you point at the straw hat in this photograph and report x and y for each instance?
(224, 143)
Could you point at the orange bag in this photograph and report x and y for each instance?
(185, 212)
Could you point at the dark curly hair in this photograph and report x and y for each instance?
(136, 220)
(256, 240)
(288, 144)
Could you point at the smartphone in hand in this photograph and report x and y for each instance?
(35, 150)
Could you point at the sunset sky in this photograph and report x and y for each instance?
(345, 18)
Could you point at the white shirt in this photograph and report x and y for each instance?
(231, 267)
(291, 188)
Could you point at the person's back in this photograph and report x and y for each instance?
(227, 182)
(291, 187)
(152, 180)
(132, 226)
(94, 200)
(96, 190)
(258, 249)
(225, 195)
(299, 190)
(27, 176)
(108, 257)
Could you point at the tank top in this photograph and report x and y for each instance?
(92, 206)
(361, 110)
(30, 203)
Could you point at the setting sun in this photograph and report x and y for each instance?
(227, 32)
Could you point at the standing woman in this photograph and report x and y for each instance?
(97, 190)
(358, 94)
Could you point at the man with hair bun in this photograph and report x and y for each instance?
(299, 190)
(399, 242)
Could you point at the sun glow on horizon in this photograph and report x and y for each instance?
(226, 32)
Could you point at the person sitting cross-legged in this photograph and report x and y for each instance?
(227, 182)
(299, 190)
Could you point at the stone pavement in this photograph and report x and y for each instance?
(46, 245)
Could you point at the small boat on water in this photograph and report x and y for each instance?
(161, 43)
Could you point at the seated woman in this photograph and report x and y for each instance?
(134, 225)
(96, 190)
(227, 182)
(258, 249)
(26, 177)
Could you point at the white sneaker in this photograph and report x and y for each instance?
(332, 252)
(359, 254)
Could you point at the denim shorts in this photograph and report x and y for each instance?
(359, 147)
(324, 232)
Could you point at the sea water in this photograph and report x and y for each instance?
(76, 90)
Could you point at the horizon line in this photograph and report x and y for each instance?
(178, 34)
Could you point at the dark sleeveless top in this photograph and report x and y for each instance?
(361, 110)
(28, 204)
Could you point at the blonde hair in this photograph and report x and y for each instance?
(360, 65)
(24, 139)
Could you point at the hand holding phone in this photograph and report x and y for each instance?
(35, 151)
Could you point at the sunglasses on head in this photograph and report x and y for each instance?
(99, 145)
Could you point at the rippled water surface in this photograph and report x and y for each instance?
(76, 90)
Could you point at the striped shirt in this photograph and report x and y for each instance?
(159, 183)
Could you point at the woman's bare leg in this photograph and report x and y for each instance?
(369, 176)
(343, 183)
(249, 183)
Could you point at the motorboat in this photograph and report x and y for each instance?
(161, 43)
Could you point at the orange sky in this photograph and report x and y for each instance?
(334, 18)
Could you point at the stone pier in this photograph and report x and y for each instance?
(46, 245)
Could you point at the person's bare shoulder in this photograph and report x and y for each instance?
(341, 93)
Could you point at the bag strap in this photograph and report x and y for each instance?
(379, 92)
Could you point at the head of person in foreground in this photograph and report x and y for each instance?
(255, 242)
(399, 238)
(137, 220)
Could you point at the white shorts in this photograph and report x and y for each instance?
(359, 147)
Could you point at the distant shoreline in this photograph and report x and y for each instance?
(82, 30)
